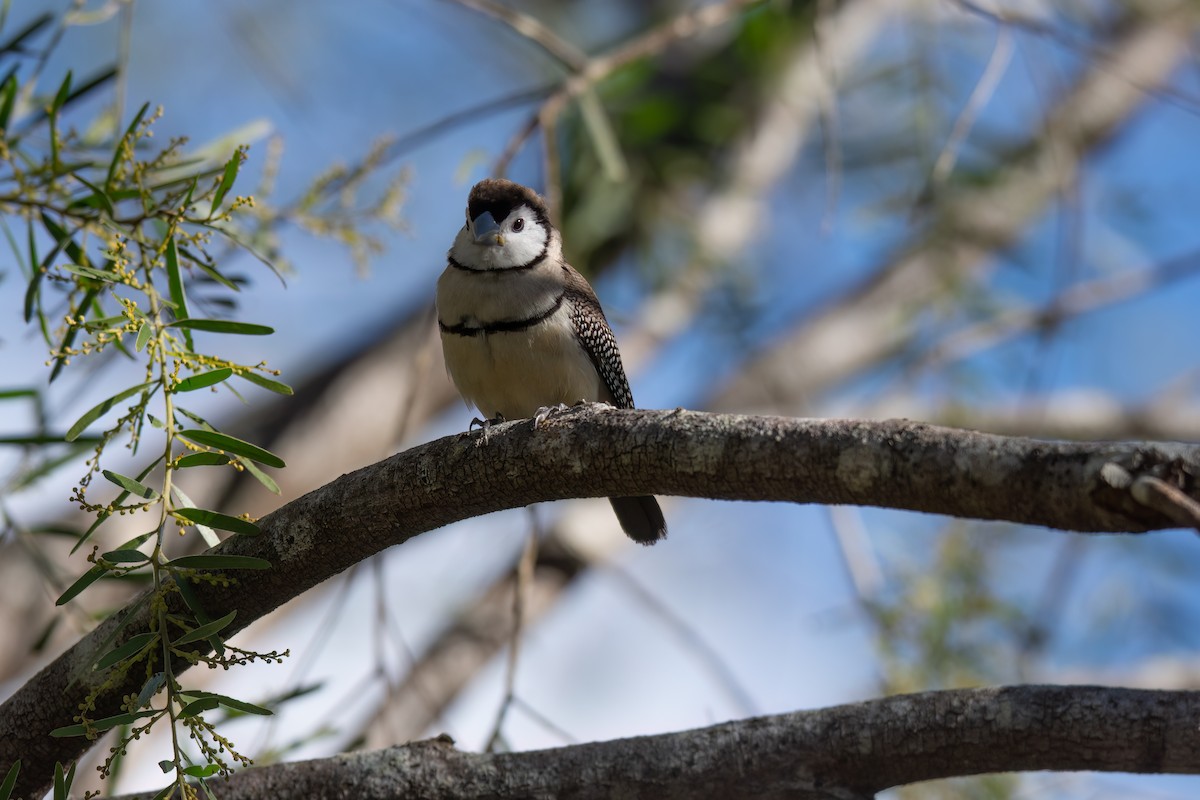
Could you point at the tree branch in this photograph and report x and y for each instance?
(598, 451)
(847, 752)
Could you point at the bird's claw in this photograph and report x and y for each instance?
(485, 425)
(543, 413)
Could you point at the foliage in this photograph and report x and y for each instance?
(123, 246)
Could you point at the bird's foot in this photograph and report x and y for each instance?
(485, 425)
(543, 413)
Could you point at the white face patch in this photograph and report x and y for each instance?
(520, 239)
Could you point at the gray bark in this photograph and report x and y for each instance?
(846, 752)
(598, 451)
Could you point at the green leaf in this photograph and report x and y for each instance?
(201, 460)
(193, 603)
(101, 725)
(223, 326)
(84, 581)
(219, 561)
(201, 770)
(227, 178)
(229, 444)
(10, 780)
(266, 383)
(205, 631)
(175, 283)
(202, 380)
(97, 199)
(231, 702)
(150, 688)
(130, 485)
(8, 98)
(144, 334)
(198, 707)
(135, 645)
(125, 557)
(215, 519)
(183, 501)
(263, 478)
(165, 793)
(101, 409)
(88, 272)
(119, 150)
(100, 519)
(166, 765)
(60, 779)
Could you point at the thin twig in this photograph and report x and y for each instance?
(532, 29)
(1170, 501)
(984, 89)
(520, 589)
(599, 67)
(707, 655)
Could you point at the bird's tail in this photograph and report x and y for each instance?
(640, 518)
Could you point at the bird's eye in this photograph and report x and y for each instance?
(518, 225)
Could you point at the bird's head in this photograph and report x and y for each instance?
(507, 227)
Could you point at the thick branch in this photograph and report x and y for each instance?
(847, 752)
(600, 451)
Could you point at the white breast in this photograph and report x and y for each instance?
(514, 373)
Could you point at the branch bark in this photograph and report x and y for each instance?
(847, 752)
(598, 451)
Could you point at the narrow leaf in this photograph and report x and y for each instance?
(130, 485)
(193, 602)
(198, 707)
(202, 380)
(175, 283)
(229, 444)
(201, 770)
(101, 409)
(132, 647)
(219, 561)
(227, 178)
(84, 581)
(263, 478)
(100, 519)
(103, 724)
(182, 500)
(205, 631)
(150, 688)
(266, 383)
(223, 326)
(10, 780)
(125, 557)
(144, 334)
(201, 460)
(215, 519)
(231, 702)
(119, 151)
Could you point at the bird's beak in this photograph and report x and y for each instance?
(487, 230)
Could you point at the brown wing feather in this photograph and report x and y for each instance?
(596, 336)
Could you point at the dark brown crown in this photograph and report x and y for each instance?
(500, 197)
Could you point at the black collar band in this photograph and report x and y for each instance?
(504, 326)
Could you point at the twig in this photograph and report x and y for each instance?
(1168, 500)
(532, 29)
(708, 656)
(986, 86)
(524, 581)
(599, 67)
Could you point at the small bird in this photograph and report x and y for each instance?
(522, 330)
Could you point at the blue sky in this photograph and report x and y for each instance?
(758, 581)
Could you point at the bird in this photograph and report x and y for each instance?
(522, 330)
